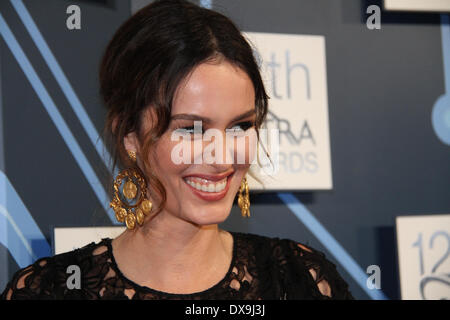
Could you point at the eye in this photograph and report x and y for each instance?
(242, 126)
(187, 130)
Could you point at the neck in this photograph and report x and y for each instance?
(167, 248)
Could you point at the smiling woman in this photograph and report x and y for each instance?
(170, 65)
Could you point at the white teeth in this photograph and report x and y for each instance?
(206, 185)
(220, 186)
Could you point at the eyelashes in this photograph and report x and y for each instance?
(239, 127)
(246, 125)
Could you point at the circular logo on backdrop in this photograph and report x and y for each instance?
(440, 118)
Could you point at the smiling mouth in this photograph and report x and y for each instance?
(208, 189)
(206, 185)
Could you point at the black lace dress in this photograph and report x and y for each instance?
(261, 268)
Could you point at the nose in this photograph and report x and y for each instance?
(217, 151)
(227, 148)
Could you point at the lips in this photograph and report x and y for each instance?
(210, 177)
(206, 185)
(209, 187)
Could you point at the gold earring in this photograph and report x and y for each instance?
(244, 198)
(128, 212)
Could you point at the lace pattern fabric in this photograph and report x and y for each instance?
(261, 268)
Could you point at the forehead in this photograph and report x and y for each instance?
(215, 90)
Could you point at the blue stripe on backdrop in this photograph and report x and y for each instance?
(20, 233)
(206, 3)
(440, 115)
(445, 34)
(67, 89)
(330, 243)
(56, 117)
(61, 78)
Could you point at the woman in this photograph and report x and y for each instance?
(172, 67)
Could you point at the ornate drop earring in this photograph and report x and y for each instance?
(244, 198)
(142, 207)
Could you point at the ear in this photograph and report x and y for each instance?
(130, 142)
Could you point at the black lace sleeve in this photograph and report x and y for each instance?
(45, 279)
(32, 282)
(307, 273)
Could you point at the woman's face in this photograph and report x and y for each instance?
(222, 97)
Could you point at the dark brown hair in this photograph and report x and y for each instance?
(146, 60)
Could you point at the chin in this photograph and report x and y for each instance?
(209, 217)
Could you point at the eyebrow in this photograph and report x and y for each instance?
(188, 116)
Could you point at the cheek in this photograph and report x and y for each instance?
(185, 151)
(165, 166)
(237, 179)
(245, 147)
